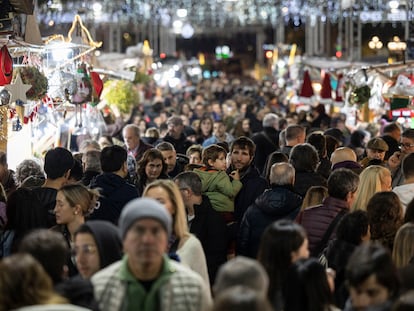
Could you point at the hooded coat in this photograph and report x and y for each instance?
(115, 193)
(107, 239)
(220, 189)
(279, 202)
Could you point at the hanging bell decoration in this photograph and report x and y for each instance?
(4, 97)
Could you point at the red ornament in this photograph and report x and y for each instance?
(306, 92)
(326, 90)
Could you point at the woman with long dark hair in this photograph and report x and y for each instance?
(151, 167)
(283, 243)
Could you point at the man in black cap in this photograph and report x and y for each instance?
(146, 279)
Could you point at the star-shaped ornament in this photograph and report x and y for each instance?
(18, 89)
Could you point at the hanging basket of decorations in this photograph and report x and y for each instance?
(360, 95)
(34, 77)
(120, 93)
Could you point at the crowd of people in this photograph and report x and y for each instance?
(219, 199)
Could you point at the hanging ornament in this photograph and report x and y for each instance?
(97, 87)
(16, 124)
(4, 97)
(3, 122)
(326, 91)
(339, 92)
(36, 79)
(19, 105)
(6, 66)
(306, 93)
(18, 89)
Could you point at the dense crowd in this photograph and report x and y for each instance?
(222, 197)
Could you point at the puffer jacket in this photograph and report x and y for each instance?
(220, 189)
(317, 219)
(279, 202)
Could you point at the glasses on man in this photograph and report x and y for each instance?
(406, 145)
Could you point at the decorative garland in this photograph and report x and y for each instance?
(360, 95)
(31, 75)
(121, 93)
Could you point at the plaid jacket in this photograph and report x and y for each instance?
(184, 290)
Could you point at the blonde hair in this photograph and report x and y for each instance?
(81, 195)
(403, 250)
(370, 182)
(314, 196)
(180, 227)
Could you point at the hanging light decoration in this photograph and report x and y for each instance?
(203, 14)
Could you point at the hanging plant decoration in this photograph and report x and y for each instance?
(360, 95)
(120, 93)
(33, 76)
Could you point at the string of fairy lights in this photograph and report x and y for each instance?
(211, 13)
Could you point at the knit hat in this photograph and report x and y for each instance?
(143, 208)
(377, 143)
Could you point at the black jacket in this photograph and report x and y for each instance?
(267, 141)
(209, 227)
(115, 193)
(279, 202)
(253, 186)
(181, 144)
(393, 146)
(305, 180)
(337, 254)
(88, 175)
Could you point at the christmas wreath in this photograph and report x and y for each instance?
(120, 93)
(34, 77)
(360, 95)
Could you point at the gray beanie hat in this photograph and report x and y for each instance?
(144, 208)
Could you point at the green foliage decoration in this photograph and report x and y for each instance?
(360, 95)
(34, 77)
(120, 93)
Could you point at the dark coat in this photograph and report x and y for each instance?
(87, 177)
(267, 141)
(78, 291)
(317, 219)
(305, 180)
(47, 198)
(181, 144)
(115, 193)
(337, 254)
(393, 146)
(209, 227)
(253, 186)
(63, 229)
(286, 150)
(179, 167)
(142, 147)
(276, 203)
(324, 168)
(8, 183)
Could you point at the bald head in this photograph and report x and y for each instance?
(343, 154)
